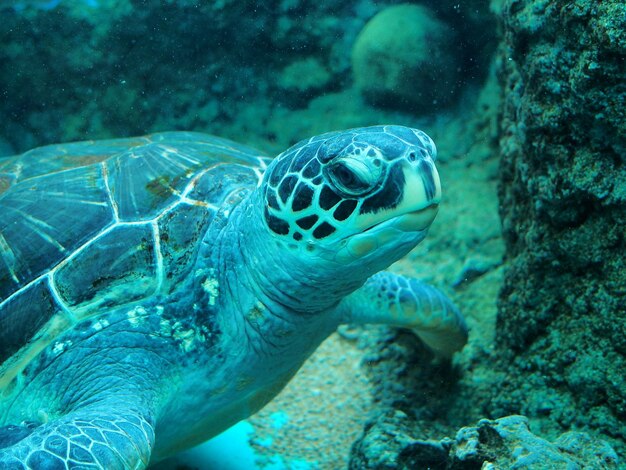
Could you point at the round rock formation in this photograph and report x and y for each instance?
(405, 58)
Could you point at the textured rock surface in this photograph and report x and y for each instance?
(562, 315)
(509, 443)
(405, 56)
(393, 440)
(398, 441)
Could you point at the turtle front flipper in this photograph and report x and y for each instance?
(91, 437)
(405, 302)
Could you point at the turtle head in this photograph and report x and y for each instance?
(366, 194)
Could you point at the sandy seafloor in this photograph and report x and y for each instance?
(321, 412)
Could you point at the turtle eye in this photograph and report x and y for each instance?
(352, 177)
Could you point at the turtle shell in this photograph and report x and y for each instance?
(89, 226)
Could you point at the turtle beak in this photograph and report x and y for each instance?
(422, 195)
(419, 205)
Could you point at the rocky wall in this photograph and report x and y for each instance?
(561, 332)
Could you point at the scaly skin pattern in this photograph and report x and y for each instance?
(137, 383)
(75, 442)
(400, 301)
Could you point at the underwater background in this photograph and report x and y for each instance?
(526, 101)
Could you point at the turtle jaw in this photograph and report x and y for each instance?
(396, 236)
(412, 221)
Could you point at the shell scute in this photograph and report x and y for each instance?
(55, 158)
(93, 225)
(180, 233)
(144, 180)
(45, 218)
(116, 268)
(23, 316)
(5, 182)
(215, 185)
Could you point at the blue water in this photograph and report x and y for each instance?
(232, 450)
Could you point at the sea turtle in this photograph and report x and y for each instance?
(156, 290)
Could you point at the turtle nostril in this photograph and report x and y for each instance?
(412, 157)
